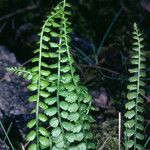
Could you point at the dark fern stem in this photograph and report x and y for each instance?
(134, 106)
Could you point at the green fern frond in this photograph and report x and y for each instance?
(60, 100)
(134, 106)
(61, 119)
(20, 71)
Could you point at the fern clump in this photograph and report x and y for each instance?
(134, 106)
(61, 116)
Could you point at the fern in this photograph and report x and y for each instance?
(20, 71)
(61, 117)
(134, 106)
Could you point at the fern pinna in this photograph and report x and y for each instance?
(134, 106)
(61, 118)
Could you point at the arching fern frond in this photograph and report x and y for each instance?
(134, 106)
(61, 119)
(21, 71)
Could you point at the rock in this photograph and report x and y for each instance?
(14, 106)
(3, 146)
(100, 98)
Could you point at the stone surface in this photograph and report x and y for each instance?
(13, 92)
(14, 107)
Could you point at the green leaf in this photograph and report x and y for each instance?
(73, 116)
(142, 83)
(35, 69)
(82, 146)
(130, 105)
(133, 79)
(56, 132)
(130, 123)
(70, 87)
(71, 137)
(55, 24)
(43, 105)
(135, 61)
(129, 132)
(73, 107)
(53, 77)
(54, 122)
(66, 78)
(129, 143)
(53, 55)
(31, 136)
(67, 126)
(71, 97)
(35, 78)
(52, 88)
(46, 38)
(44, 141)
(139, 147)
(43, 131)
(64, 114)
(139, 136)
(46, 55)
(91, 145)
(32, 98)
(79, 136)
(64, 59)
(51, 111)
(32, 87)
(61, 51)
(54, 34)
(54, 45)
(140, 126)
(89, 135)
(44, 46)
(44, 94)
(45, 72)
(44, 84)
(35, 59)
(131, 95)
(130, 114)
(46, 29)
(43, 118)
(64, 105)
(65, 69)
(60, 144)
(50, 101)
(32, 147)
(132, 87)
(31, 123)
(140, 109)
(58, 139)
(135, 70)
(86, 126)
(77, 128)
(140, 118)
(87, 98)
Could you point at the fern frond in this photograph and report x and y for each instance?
(61, 119)
(39, 84)
(134, 106)
(20, 71)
